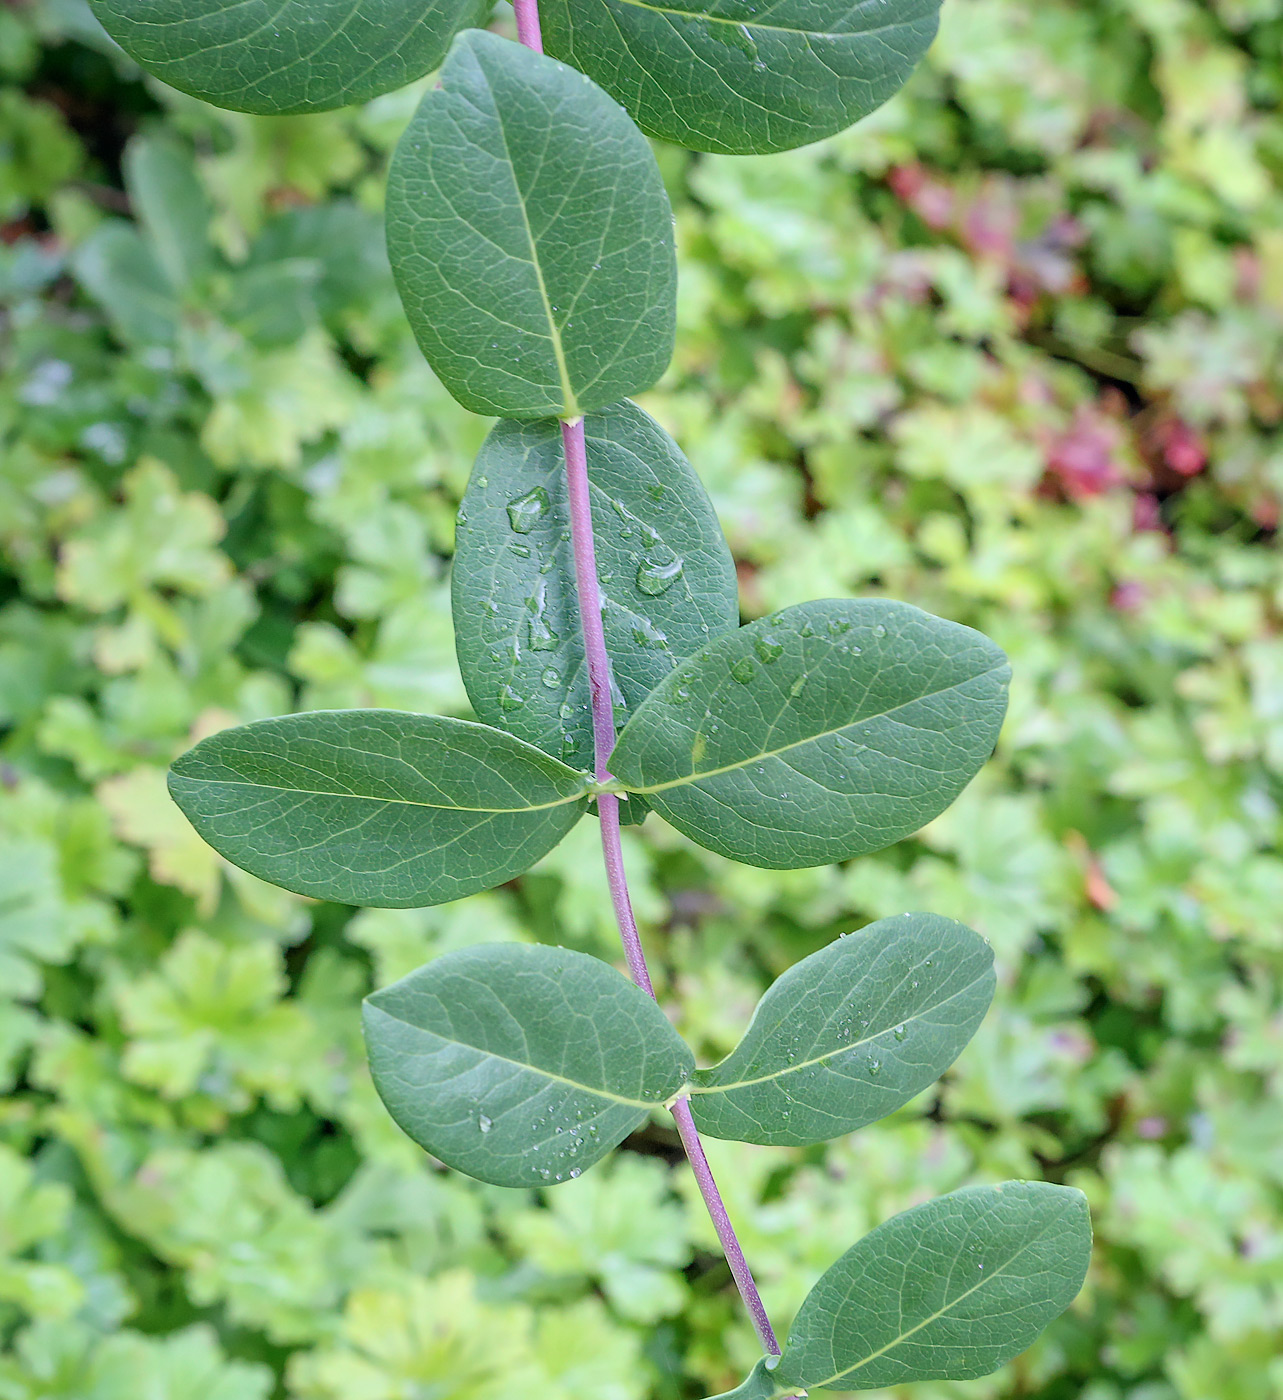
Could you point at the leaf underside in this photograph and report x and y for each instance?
(531, 237)
(287, 56)
(822, 732)
(738, 76)
(520, 1065)
(951, 1289)
(377, 807)
(667, 578)
(850, 1034)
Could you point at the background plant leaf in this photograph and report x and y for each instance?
(520, 1065)
(818, 733)
(531, 237)
(851, 1033)
(728, 75)
(377, 807)
(668, 580)
(953, 1288)
(295, 56)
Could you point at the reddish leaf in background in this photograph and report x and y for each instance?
(1146, 513)
(1180, 446)
(1082, 460)
(930, 199)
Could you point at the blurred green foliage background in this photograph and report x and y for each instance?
(1011, 350)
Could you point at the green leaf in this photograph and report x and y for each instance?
(729, 75)
(822, 732)
(668, 580)
(281, 56)
(950, 1289)
(377, 807)
(850, 1034)
(759, 1384)
(520, 1065)
(118, 268)
(171, 203)
(531, 237)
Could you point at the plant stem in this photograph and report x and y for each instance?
(528, 31)
(597, 658)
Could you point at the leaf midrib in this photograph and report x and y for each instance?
(570, 406)
(694, 777)
(645, 1104)
(387, 801)
(696, 1088)
(755, 24)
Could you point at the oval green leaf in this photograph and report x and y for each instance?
(822, 732)
(740, 77)
(520, 1065)
(667, 578)
(286, 56)
(850, 1034)
(531, 237)
(377, 807)
(952, 1289)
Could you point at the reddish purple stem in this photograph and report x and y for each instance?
(603, 723)
(528, 31)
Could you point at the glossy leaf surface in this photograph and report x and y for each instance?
(951, 1289)
(851, 1033)
(731, 75)
(822, 732)
(667, 577)
(271, 56)
(520, 1065)
(531, 237)
(377, 807)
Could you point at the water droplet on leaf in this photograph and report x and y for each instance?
(658, 574)
(527, 511)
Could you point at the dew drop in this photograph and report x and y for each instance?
(796, 688)
(875, 1067)
(743, 670)
(879, 631)
(542, 637)
(510, 700)
(838, 625)
(484, 1123)
(551, 677)
(900, 1032)
(767, 650)
(658, 574)
(646, 634)
(575, 1172)
(525, 512)
(655, 491)
(681, 694)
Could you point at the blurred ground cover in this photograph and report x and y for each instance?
(1012, 350)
